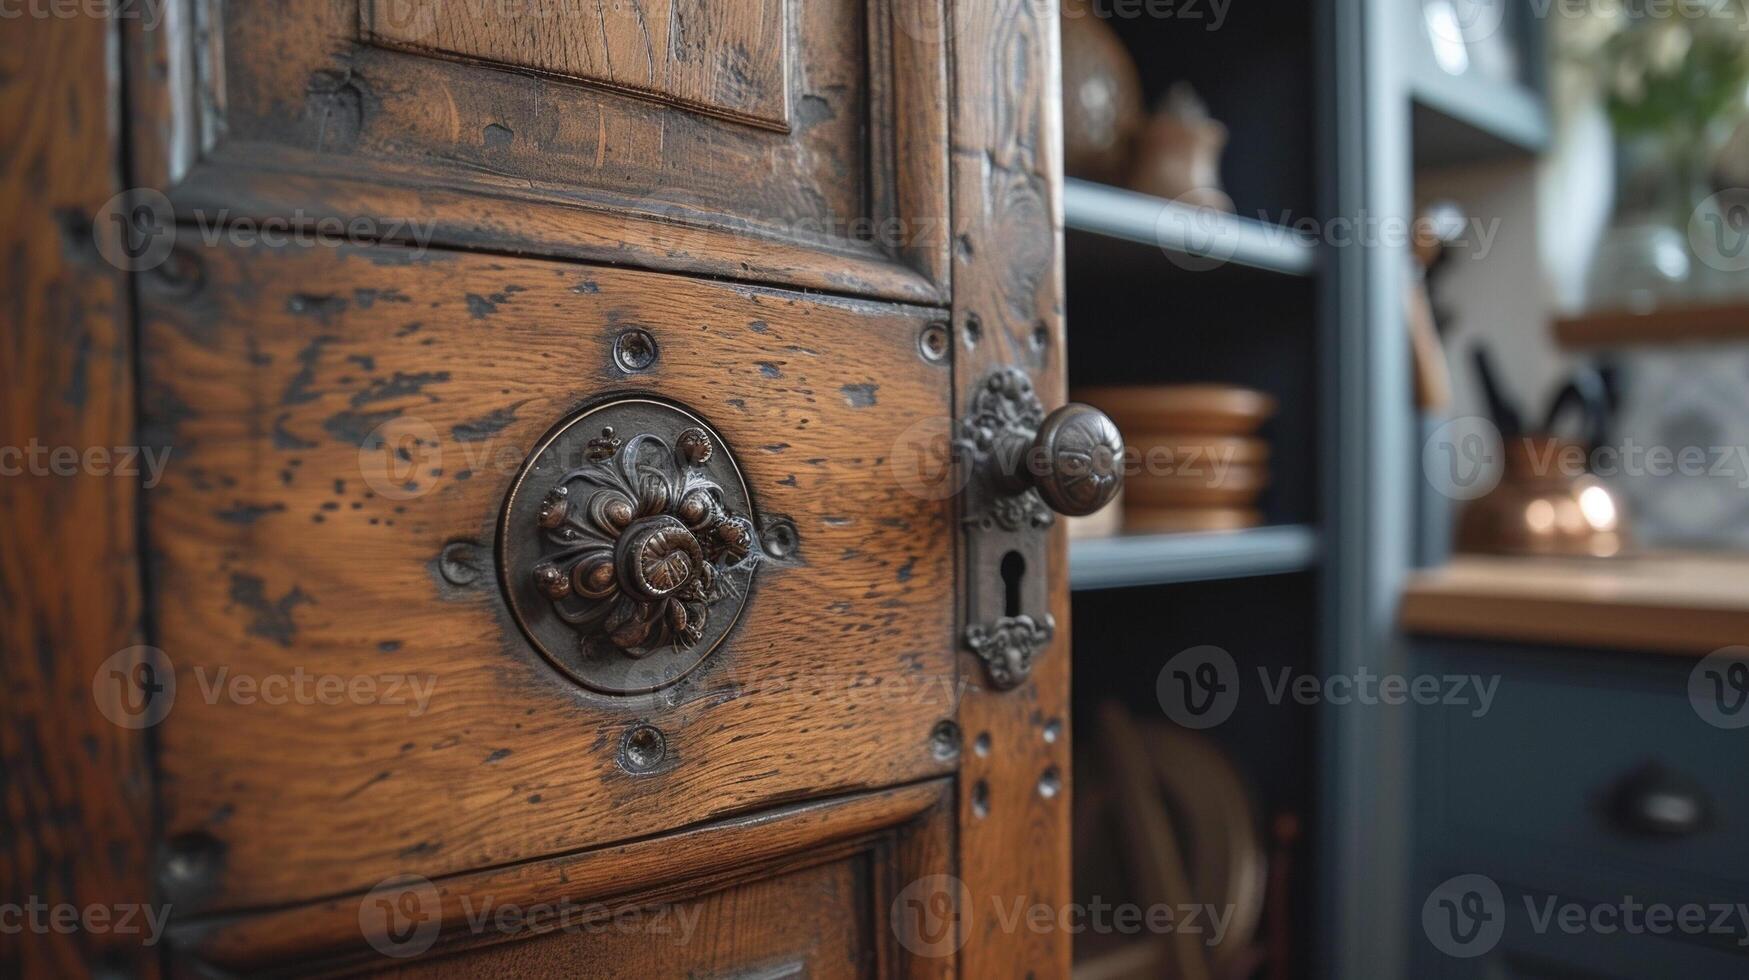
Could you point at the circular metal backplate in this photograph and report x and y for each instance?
(627, 547)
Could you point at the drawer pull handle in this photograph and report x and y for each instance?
(1653, 801)
(1025, 466)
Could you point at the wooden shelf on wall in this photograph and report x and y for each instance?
(1672, 325)
(1165, 559)
(1209, 239)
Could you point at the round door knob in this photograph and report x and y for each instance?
(1074, 460)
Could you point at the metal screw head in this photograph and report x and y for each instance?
(634, 350)
(642, 749)
(779, 538)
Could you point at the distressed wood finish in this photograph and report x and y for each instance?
(354, 702)
(291, 110)
(1014, 800)
(75, 792)
(728, 59)
(284, 550)
(905, 832)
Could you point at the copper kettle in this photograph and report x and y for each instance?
(1547, 501)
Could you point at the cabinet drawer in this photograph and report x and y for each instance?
(354, 695)
(1550, 771)
(791, 142)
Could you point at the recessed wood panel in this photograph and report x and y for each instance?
(767, 140)
(281, 553)
(818, 887)
(726, 57)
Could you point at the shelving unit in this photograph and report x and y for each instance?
(1461, 120)
(1211, 237)
(1168, 559)
(1662, 327)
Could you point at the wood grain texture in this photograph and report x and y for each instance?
(1014, 836)
(725, 58)
(1683, 604)
(268, 371)
(281, 110)
(908, 828)
(75, 790)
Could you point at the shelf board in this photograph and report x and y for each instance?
(1462, 119)
(1164, 559)
(1210, 238)
(1656, 328)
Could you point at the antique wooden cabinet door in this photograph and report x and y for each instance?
(582, 549)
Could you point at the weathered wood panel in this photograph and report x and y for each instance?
(292, 111)
(906, 830)
(1007, 162)
(75, 791)
(727, 58)
(285, 554)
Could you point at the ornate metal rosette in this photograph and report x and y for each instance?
(1005, 412)
(626, 548)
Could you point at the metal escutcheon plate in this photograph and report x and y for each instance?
(626, 548)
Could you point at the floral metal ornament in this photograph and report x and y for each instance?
(639, 550)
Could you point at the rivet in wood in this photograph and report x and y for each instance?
(1053, 730)
(634, 350)
(933, 342)
(944, 741)
(779, 538)
(190, 864)
(642, 749)
(973, 329)
(459, 564)
(981, 799)
(981, 744)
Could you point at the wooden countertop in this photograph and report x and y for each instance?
(1683, 604)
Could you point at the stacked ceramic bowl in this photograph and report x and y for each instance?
(1195, 461)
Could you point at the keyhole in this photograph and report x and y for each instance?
(1013, 570)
